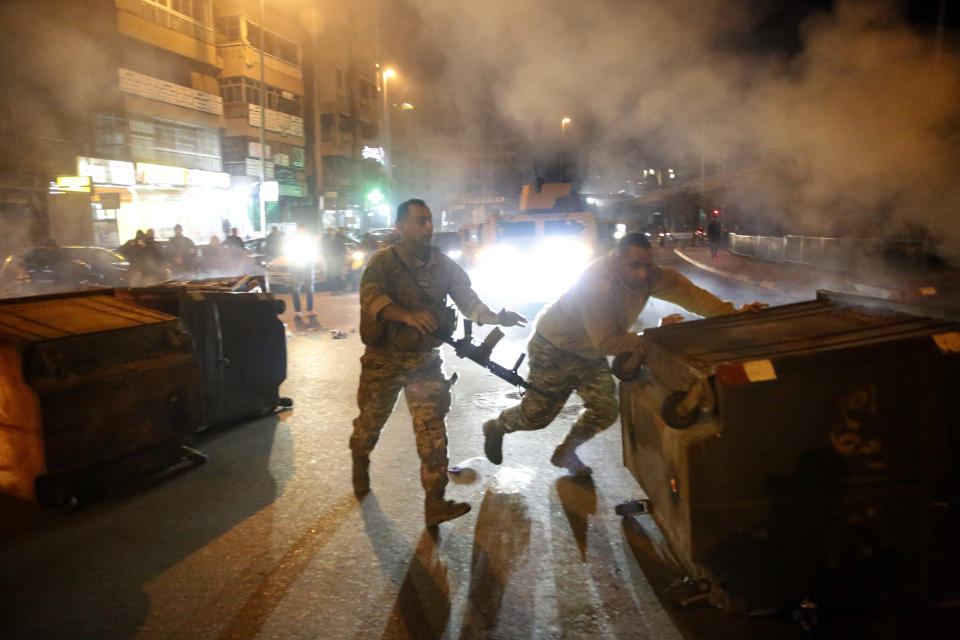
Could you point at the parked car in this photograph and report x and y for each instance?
(384, 235)
(41, 269)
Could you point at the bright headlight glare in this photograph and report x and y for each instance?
(300, 250)
(455, 254)
(358, 255)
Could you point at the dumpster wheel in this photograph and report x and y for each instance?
(673, 417)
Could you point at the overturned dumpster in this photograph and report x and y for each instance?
(92, 390)
(98, 387)
(240, 344)
(807, 451)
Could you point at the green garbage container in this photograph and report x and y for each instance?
(806, 451)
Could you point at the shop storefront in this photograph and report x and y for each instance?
(129, 196)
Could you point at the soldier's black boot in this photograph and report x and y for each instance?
(361, 475)
(493, 441)
(565, 456)
(437, 510)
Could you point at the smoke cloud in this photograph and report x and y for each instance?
(853, 128)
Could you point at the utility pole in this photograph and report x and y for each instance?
(263, 127)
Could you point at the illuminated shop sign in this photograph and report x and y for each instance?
(373, 153)
(214, 179)
(103, 171)
(160, 174)
(80, 184)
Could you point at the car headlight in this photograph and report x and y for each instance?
(300, 250)
(359, 255)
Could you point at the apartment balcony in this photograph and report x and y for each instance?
(161, 27)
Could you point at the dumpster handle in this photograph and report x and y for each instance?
(681, 409)
(694, 393)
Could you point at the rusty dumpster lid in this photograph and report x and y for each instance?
(65, 315)
(833, 321)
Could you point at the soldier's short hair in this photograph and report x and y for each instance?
(632, 240)
(404, 209)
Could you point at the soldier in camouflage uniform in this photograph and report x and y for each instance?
(403, 293)
(574, 335)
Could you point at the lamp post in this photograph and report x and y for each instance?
(387, 141)
(563, 157)
(263, 129)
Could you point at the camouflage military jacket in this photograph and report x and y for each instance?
(385, 281)
(593, 318)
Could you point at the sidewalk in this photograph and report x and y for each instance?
(939, 286)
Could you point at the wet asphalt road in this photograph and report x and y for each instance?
(266, 539)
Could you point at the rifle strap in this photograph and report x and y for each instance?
(426, 296)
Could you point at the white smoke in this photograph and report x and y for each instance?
(857, 129)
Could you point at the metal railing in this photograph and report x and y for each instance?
(165, 17)
(846, 254)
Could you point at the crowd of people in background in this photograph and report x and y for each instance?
(335, 258)
(179, 257)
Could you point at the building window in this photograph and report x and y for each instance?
(328, 122)
(196, 9)
(274, 45)
(239, 90)
(368, 92)
(228, 29)
(231, 90)
(142, 139)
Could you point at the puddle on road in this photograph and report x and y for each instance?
(512, 479)
(506, 480)
(493, 402)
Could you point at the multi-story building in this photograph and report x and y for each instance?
(238, 38)
(131, 114)
(156, 159)
(492, 175)
(346, 103)
(118, 106)
(425, 168)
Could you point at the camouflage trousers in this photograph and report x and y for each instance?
(561, 372)
(420, 374)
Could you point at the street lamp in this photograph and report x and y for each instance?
(263, 129)
(563, 158)
(388, 143)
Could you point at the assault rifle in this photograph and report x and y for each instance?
(480, 353)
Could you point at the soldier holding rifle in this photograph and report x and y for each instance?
(402, 304)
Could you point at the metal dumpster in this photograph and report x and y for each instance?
(819, 455)
(92, 390)
(240, 343)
